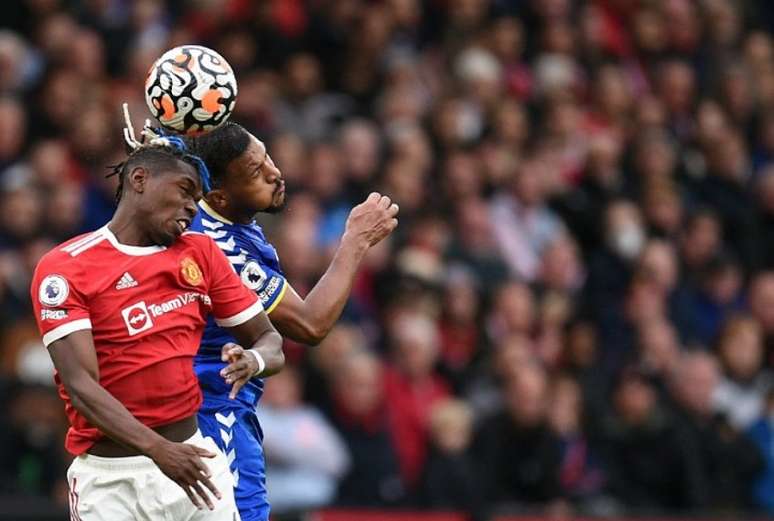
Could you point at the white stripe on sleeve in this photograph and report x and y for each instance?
(241, 317)
(65, 329)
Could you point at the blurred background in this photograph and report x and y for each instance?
(575, 316)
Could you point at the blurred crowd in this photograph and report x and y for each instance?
(576, 313)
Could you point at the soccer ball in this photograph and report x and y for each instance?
(191, 89)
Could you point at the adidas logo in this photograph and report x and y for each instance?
(126, 281)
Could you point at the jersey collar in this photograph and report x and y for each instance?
(207, 208)
(135, 251)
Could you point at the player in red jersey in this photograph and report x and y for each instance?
(122, 311)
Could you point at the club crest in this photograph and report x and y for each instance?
(190, 271)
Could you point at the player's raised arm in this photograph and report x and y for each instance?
(75, 360)
(309, 320)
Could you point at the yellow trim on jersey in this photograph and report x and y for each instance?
(213, 213)
(279, 297)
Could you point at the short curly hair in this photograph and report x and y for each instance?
(152, 157)
(219, 147)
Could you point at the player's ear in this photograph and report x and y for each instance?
(217, 198)
(137, 179)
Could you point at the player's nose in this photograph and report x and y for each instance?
(191, 208)
(273, 173)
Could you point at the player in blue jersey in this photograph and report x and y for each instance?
(245, 181)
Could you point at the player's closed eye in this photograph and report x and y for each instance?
(188, 191)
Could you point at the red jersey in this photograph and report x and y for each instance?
(146, 308)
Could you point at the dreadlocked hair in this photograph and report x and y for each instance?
(152, 157)
(219, 147)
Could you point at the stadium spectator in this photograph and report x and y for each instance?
(762, 434)
(740, 394)
(374, 478)
(640, 442)
(305, 455)
(610, 266)
(523, 225)
(33, 464)
(761, 302)
(581, 476)
(413, 387)
(764, 189)
(658, 350)
(580, 357)
(460, 334)
(728, 460)
(450, 481)
(484, 390)
(717, 296)
(700, 242)
(517, 447)
(512, 312)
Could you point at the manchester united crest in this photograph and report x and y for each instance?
(190, 271)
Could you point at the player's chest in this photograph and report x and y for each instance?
(257, 247)
(134, 298)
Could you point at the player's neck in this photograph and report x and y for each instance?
(237, 218)
(124, 228)
(229, 213)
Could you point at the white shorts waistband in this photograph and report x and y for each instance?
(129, 462)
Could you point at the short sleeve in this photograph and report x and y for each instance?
(58, 301)
(269, 284)
(232, 302)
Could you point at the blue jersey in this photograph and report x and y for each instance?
(257, 264)
(233, 423)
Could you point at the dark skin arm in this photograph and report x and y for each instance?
(264, 341)
(75, 360)
(310, 320)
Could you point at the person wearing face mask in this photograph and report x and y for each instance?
(611, 268)
(632, 281)
(625, 235)
(762, 434)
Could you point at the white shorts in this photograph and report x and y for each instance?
(134, 488)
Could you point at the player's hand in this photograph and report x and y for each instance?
(242, 365)
(372, 220)
(183, 464)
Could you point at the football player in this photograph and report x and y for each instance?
(245, 181)
(121, 311)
